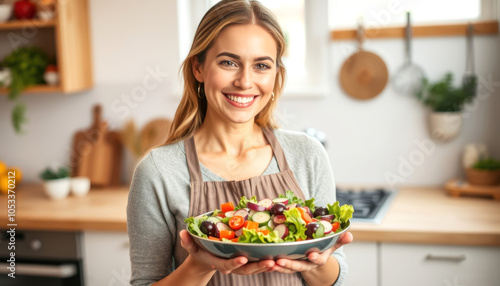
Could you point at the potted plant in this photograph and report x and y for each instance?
(484, 172)
(56, 182)
(26, 67)
(446, 103)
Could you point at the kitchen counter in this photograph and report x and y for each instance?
(417, 215)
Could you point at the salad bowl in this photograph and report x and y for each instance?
(264, 251)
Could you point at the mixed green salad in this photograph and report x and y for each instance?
(283, 219)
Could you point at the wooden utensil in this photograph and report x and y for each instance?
(97, 153)
(364, 74)
(153, 134)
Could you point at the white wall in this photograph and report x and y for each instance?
(365, 139)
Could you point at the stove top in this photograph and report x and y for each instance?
(370, 205)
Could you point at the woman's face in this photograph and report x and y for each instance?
(238, 73)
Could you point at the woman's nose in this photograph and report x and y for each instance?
(244, 79)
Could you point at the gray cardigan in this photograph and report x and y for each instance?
(159, 199)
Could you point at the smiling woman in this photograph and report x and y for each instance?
(224, 144)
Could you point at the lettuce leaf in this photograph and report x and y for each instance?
(243, 202)
(310, 204)
(342, 213)
(293, 199)
(194, 223)
(296, 225)
(252, 236)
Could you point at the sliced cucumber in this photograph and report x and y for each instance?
(262, 218)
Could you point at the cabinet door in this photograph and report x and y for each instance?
(362, 264)
(439, 265)
(106, 258)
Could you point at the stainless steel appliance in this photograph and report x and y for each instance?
(42, 258)
(370, 205)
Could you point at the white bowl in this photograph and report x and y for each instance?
(51, 78)
(5, 12)
(45, 15)
(80, 186)
(57, 189)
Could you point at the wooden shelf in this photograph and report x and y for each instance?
(480, 28)
(36, 89)
(17, 24)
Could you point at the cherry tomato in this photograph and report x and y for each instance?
(236, 222)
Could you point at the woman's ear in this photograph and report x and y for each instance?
(197, 69)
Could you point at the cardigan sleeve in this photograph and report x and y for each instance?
(150, 226)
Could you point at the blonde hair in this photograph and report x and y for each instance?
(192, 108)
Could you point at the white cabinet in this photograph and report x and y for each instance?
(106, 258)
(438, 265)
(362, 264)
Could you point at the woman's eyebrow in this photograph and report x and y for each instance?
(234, 56)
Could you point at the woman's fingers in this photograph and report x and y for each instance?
(255, 267)
(291, 266)
(225, 266)
(345, 239)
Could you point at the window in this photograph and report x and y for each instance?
(305, 25)
(383, 13)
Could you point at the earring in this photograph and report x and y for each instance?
(272, 94)
(199, 94)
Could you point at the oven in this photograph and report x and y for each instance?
(42, 258)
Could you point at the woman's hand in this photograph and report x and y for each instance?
(314, 261)
(209, 262)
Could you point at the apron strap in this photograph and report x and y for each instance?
(192, 160)
(278, 152)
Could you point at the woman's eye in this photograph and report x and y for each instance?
(228, 63)
(262, 67)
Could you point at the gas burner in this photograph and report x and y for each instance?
(370, 205)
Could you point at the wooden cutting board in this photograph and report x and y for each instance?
(97, 153)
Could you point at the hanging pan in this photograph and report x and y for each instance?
(364, 74)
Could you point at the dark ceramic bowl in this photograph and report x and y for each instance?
(263, 251)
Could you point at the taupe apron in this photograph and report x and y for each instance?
(207, 196)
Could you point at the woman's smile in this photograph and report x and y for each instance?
(240, 100)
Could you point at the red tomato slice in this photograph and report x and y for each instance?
(335, 226)
(236, 222)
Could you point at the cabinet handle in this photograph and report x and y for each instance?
(457, 258)
(56, 271)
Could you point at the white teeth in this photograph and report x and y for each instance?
(240, 99)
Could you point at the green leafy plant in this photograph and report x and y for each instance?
(489, 164)
(27, 66)
(53, 174)
(442, 96)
